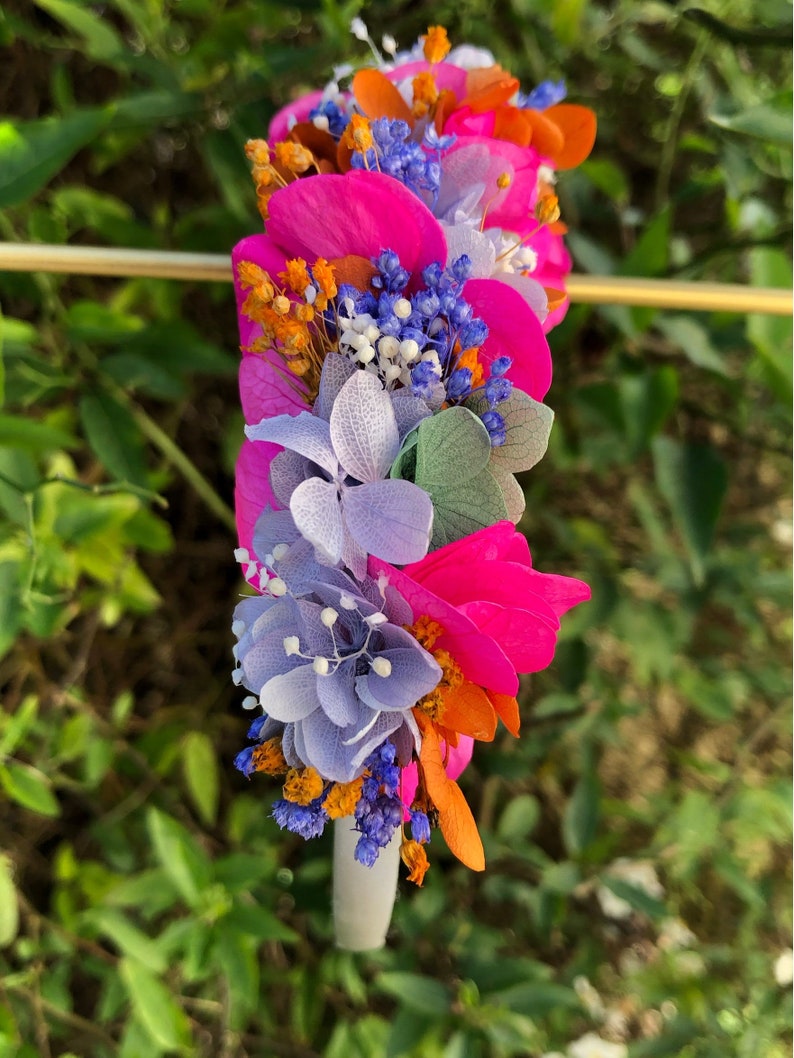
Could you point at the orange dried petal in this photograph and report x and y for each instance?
(378, 97)
(468, 710)
(578, 127)
(460, 831)
(507, 708)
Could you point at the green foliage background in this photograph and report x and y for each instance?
(148, 906)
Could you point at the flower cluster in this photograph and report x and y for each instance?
(392, 321)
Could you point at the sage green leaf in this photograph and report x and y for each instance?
(512, 493)
(453, 447)
(463, 509)
(528, 424)
(31, 153)
(157, 1012)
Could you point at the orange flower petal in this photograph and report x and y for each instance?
(460, 831)
(378, 97)
(437, 782)
(578, 126)
(556, 298)
(547, 137)
(358, 271)
(514, 125)
(489, 87)
(445, 104)
(468, 710)
(507, 708)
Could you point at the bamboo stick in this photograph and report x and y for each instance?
(205, 267)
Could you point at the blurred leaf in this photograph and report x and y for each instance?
(647, 400)
(31, 153)
(163, 1020)
(693, 479)
(29, 788)
(518, 819)
(407, 1030)
(536, 998)
(128, 938)
(101, 40)
(32, 435)
(635, 897)
(416, 992)
(183, 860)
(582, 813)
(649, 255)
(200, 766)
(694, 341)
(769, 121)
(771, 335)
(9, 906)
(114, 437)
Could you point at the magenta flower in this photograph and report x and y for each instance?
(362, 214)
(500, 616)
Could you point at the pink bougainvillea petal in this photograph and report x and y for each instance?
(267, 390)
(527, 640)
(291, 114)
(481, 659)
(446, 75)
(362, 213)
(252, 492)
(513, 330)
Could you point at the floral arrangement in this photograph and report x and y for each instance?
(392, 321)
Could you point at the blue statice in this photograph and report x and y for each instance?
(391, 277)
(495, 425)
(379, 810)
(398, 156)
(420, 826)
(333, 114)
(244, 761)
(306, 820)
(545, 95)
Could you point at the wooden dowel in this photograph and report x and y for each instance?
(584, 289)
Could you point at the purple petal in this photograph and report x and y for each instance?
(390, 518)
(336, 692)
(315, 508)
(322, 744)
(291, 696)
(304, 433)
(337, 369)
(414, 673)
(287, 471)
(363, 428)
(409, 410)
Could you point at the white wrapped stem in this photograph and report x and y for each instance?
(363, 897)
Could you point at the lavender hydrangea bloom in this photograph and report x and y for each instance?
(336, 490)
(338, 671)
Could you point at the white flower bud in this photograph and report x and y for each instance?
(238, 628)
(329, 616)
(402, 308)
(237, 677)
(388, 346)
(320, 666)
(277, 587)
(279, 551)
(409, 350)
(381, 667)
(250, 702)
(347, 602)
(292, 645)
(241, 554)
